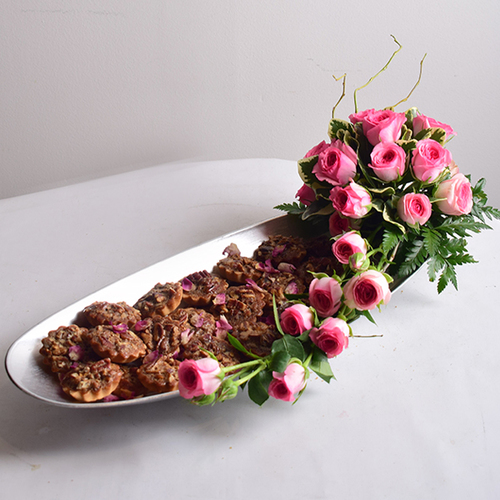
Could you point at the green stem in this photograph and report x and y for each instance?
(247, 364)
(251, 374)
(305, 364)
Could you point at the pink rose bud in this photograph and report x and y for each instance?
(316, 150)
(388, 161)
(306, 195)
(198, 377)
(332, 337)
(336, 164)
(429, 160)
(414, 208)
(296, 319)
(366, 291)
(287, 385)
(380, 126)
(347, 245)
(456, 194)
(351, 201)
(422, 122)
(325, 295)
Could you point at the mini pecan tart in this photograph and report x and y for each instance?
(160, 300)
(199, 289)
(117, 343)
(88, 382)
(64, 347)
(256, 336)
(158, 373)
(280, 248)
(236, 268)
(130, 387)
(242, 303)
(108, 313)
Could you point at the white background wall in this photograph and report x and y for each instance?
(91, 88)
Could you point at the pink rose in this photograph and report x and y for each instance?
(414, 208)
(422, 122)
(198, 377)
(429, 160)
(316, 150)
(325, 295)
(287, 385)
(457, 195)
(346, 246)
(388, 161)
(380, 126)
(306, 195)
(336, 164)
(367, 290)
(296, 319)
(338, 224)
(351, 201)
(332, 337)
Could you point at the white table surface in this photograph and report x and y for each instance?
(414, 414)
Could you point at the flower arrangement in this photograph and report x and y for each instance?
(387, 190)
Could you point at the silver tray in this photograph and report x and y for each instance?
(23, 361)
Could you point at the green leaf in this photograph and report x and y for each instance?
(461, 226)
(290, 345)
(390, 239)
(456, 245)
(435, 265)
(448, 275)
(320, 365)
(458, 260)
(423, 134)
(306, 166)
(318, 207)
(279, 361)
(432, 240)
(415, 256)
(368, 315)
(238, 345)
(386, 191)
(336, 125)
(378, 205)
(411, 114)
(407, 145)
(291, 208)
(388, 218)
(438, 135)
(258, 387)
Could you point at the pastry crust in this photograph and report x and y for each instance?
(160, 300)
(89, 382)
(158, 373)
(108, 313)
(117, 343)
(201, 288)
(64, 347)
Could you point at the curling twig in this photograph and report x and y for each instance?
(415, 86)
(343, 77)
(375, 76)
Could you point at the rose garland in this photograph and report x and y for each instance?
(389, 193)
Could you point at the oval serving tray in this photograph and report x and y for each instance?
(24, 363)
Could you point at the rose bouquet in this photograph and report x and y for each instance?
(386, 189)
